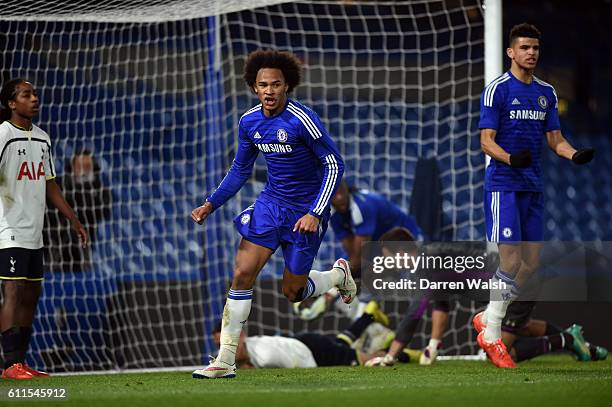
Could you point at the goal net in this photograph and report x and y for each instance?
(152, 91)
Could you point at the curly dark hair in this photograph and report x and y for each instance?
(524, 30)
(288, 63)
(7, 94)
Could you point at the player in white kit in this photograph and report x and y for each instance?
(26, 182)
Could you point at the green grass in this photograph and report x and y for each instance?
(552, 381)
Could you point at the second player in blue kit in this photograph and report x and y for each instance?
(521, 114)
(304, 171)
(517, 111)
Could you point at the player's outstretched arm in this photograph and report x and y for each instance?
(56, 198)
(521, 159)
(238, 174)
(564, 149)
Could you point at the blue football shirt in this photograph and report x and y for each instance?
(521, 114)
(304, 165)
(371, 214)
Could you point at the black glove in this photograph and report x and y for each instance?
(583, 156)
(521, 159)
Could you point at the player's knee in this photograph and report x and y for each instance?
(512, 267)
(529, 267)
(244, 278)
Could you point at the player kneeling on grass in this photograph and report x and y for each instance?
(27, 173)
(304, 171)
(414, 314)
(360, 216)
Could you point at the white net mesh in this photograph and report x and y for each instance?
(154, 90)
(129, 11)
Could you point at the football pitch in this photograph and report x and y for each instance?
(552, 381)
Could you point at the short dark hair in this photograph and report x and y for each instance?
(82, 151)
(7, 94)
(397, 234)
(524, 30)
(288, 63)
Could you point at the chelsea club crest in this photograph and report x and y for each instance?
(281, 135)
(543, 102)
(507, 233)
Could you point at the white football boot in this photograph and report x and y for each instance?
(347, 288)
(428, 356)
(216, 369)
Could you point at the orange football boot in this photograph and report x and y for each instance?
(17, 372)
(496, 351)
(34, 372)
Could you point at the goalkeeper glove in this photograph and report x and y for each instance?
(583, 156)
(386, 360)
(521, 159)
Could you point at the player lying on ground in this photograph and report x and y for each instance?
(292, 211)
(528, 338)
(516, 111)
(525, 340)
(410, 322)
(310, 349)
(27, 173)
(517, 324)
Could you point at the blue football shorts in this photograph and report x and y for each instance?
(514, 216)
(268, 224)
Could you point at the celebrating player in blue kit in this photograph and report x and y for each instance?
(304, 171)
(517, 109)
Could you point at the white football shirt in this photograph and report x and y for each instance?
(278, 351)
(25, 166)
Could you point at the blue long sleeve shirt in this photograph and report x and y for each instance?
(304, 165)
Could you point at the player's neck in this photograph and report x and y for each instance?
(21, 122)
(271, 113)
(523, 75)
